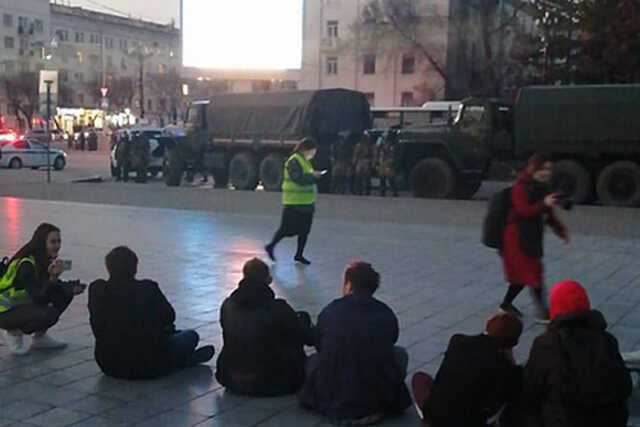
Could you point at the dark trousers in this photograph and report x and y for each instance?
(182, 345)
(30, 318)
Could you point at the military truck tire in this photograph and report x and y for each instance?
(571, 177)
(619, 184)
(467, 189)
(272, 172)
(433, 178)
(173, 169)
(243, 171)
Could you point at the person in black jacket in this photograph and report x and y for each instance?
(32, 296)
(263, 336)
(133, 324)
(358, 373)
(575, 375)
(476, 378)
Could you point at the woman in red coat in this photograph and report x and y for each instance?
(522, 245)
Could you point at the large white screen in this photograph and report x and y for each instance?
(242, 34)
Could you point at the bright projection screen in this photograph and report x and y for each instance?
(242, 34)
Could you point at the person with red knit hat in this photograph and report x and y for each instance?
(575, 375)
(522, 244)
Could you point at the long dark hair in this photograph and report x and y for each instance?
(536, 161)
(37, 248)
(305, 145)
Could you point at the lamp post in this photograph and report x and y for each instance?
(48, 83)
(141, 54)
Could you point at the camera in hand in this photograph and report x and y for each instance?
(564, 201)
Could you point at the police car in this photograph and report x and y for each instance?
(156, 163)
(28, 153)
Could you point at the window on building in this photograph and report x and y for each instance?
(23, 24)
(79, 77)
(24, 44)
(162, 68)
(371, 98)
(39, 25)
(408, 64)
(332, 29)
(63, 75)
(81, 98)
(108, 41)
(149, 105)
(369, 64)
(406, 99)
(332, 65)
(9, 43)
(79, 56)
(94, 61)
(123, 65)
(79, 37)
(62, 35)
(7, 20)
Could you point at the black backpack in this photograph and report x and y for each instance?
(494, 221)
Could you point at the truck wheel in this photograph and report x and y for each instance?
(243, 171)
(619, 184)
(173, 169)
(433, 178)
(466, 190)
(573, 179)
(272, 172)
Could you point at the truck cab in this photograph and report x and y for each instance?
(450, 160)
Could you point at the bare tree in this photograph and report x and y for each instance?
(21, 90)
(423, 28)
(169, 87)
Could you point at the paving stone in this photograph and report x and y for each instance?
(435, 276)
(58, 417)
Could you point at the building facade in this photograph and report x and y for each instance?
(441, 54)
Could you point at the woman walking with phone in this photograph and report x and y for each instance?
(299, 198)
(32, 296)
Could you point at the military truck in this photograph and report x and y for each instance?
(244, 139)
(592, 133)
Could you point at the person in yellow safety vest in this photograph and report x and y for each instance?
(32, 297)
(298, 197)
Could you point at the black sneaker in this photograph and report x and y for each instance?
(510, 308)
(269, 250)
(302, 260)
(202, 355)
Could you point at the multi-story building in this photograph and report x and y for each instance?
(92, 50)
(440, 55)
(96, 50)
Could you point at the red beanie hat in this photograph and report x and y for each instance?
(568, 297)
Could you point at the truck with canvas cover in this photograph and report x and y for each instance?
(245, 138)
(591, 132)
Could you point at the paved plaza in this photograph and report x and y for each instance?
(436, 276)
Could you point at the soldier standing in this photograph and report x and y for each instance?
(141, 157)
(123, 149)
(386, 164)
(363, 157)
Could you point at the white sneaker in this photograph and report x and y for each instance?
(15, 342)
(44, 341)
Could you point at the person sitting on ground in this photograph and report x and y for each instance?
(263, 336)
(357, 375)
(575, 375)
(133, 324)
(477, 377)
(32, 297)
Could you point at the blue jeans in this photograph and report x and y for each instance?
(182, 345)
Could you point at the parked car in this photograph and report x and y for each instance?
(29, 153)
(156, 164)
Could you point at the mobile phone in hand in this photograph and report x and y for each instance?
(323, 172)
(77, 288)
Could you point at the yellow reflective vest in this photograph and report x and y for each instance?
(296, 194)
(9, 295)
